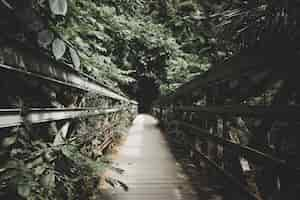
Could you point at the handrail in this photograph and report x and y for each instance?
(63, 76)
(283, 112)
(237, 148)
(230, 177)
(15, 117)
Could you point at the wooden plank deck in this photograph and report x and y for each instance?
(151, 171)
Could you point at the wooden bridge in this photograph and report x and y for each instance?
(231, 133)
(235, 126)
(238, 123)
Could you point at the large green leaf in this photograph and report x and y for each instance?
(75, 58)
(58, 48)
(58, 7)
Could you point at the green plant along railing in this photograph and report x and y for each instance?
(36, 168)
(46, 152)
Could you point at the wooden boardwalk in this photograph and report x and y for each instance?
(151, 172)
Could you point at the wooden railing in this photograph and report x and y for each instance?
(221, 125)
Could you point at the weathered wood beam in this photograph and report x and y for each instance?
(247, 152)
(282, 112)
(21, 60)
(14, 117)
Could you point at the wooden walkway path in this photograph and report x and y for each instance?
(151, 172)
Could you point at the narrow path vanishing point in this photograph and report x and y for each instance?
(151, 172)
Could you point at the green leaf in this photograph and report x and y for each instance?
(35, 162)
(99, 48)
(75, 58)
(8, 141)
(50, 156)
(58, 7)
(58, 48)
(15, 151)
(82, 44)
(39, 170)
(45, 38)
(24, 190)
(48, 180)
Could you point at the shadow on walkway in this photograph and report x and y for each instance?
(150, 170)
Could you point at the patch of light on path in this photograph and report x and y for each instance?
(144, 119)
(136, 137)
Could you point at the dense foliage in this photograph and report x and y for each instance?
(171, 40)
(40, 162)
(122, 43)
(121, 39)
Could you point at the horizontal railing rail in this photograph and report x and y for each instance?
(285, 112)
(65, 77)
(246, 151)
(16, 117)
(230, 178)
(235, 148)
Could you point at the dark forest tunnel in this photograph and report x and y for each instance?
(147, 92)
